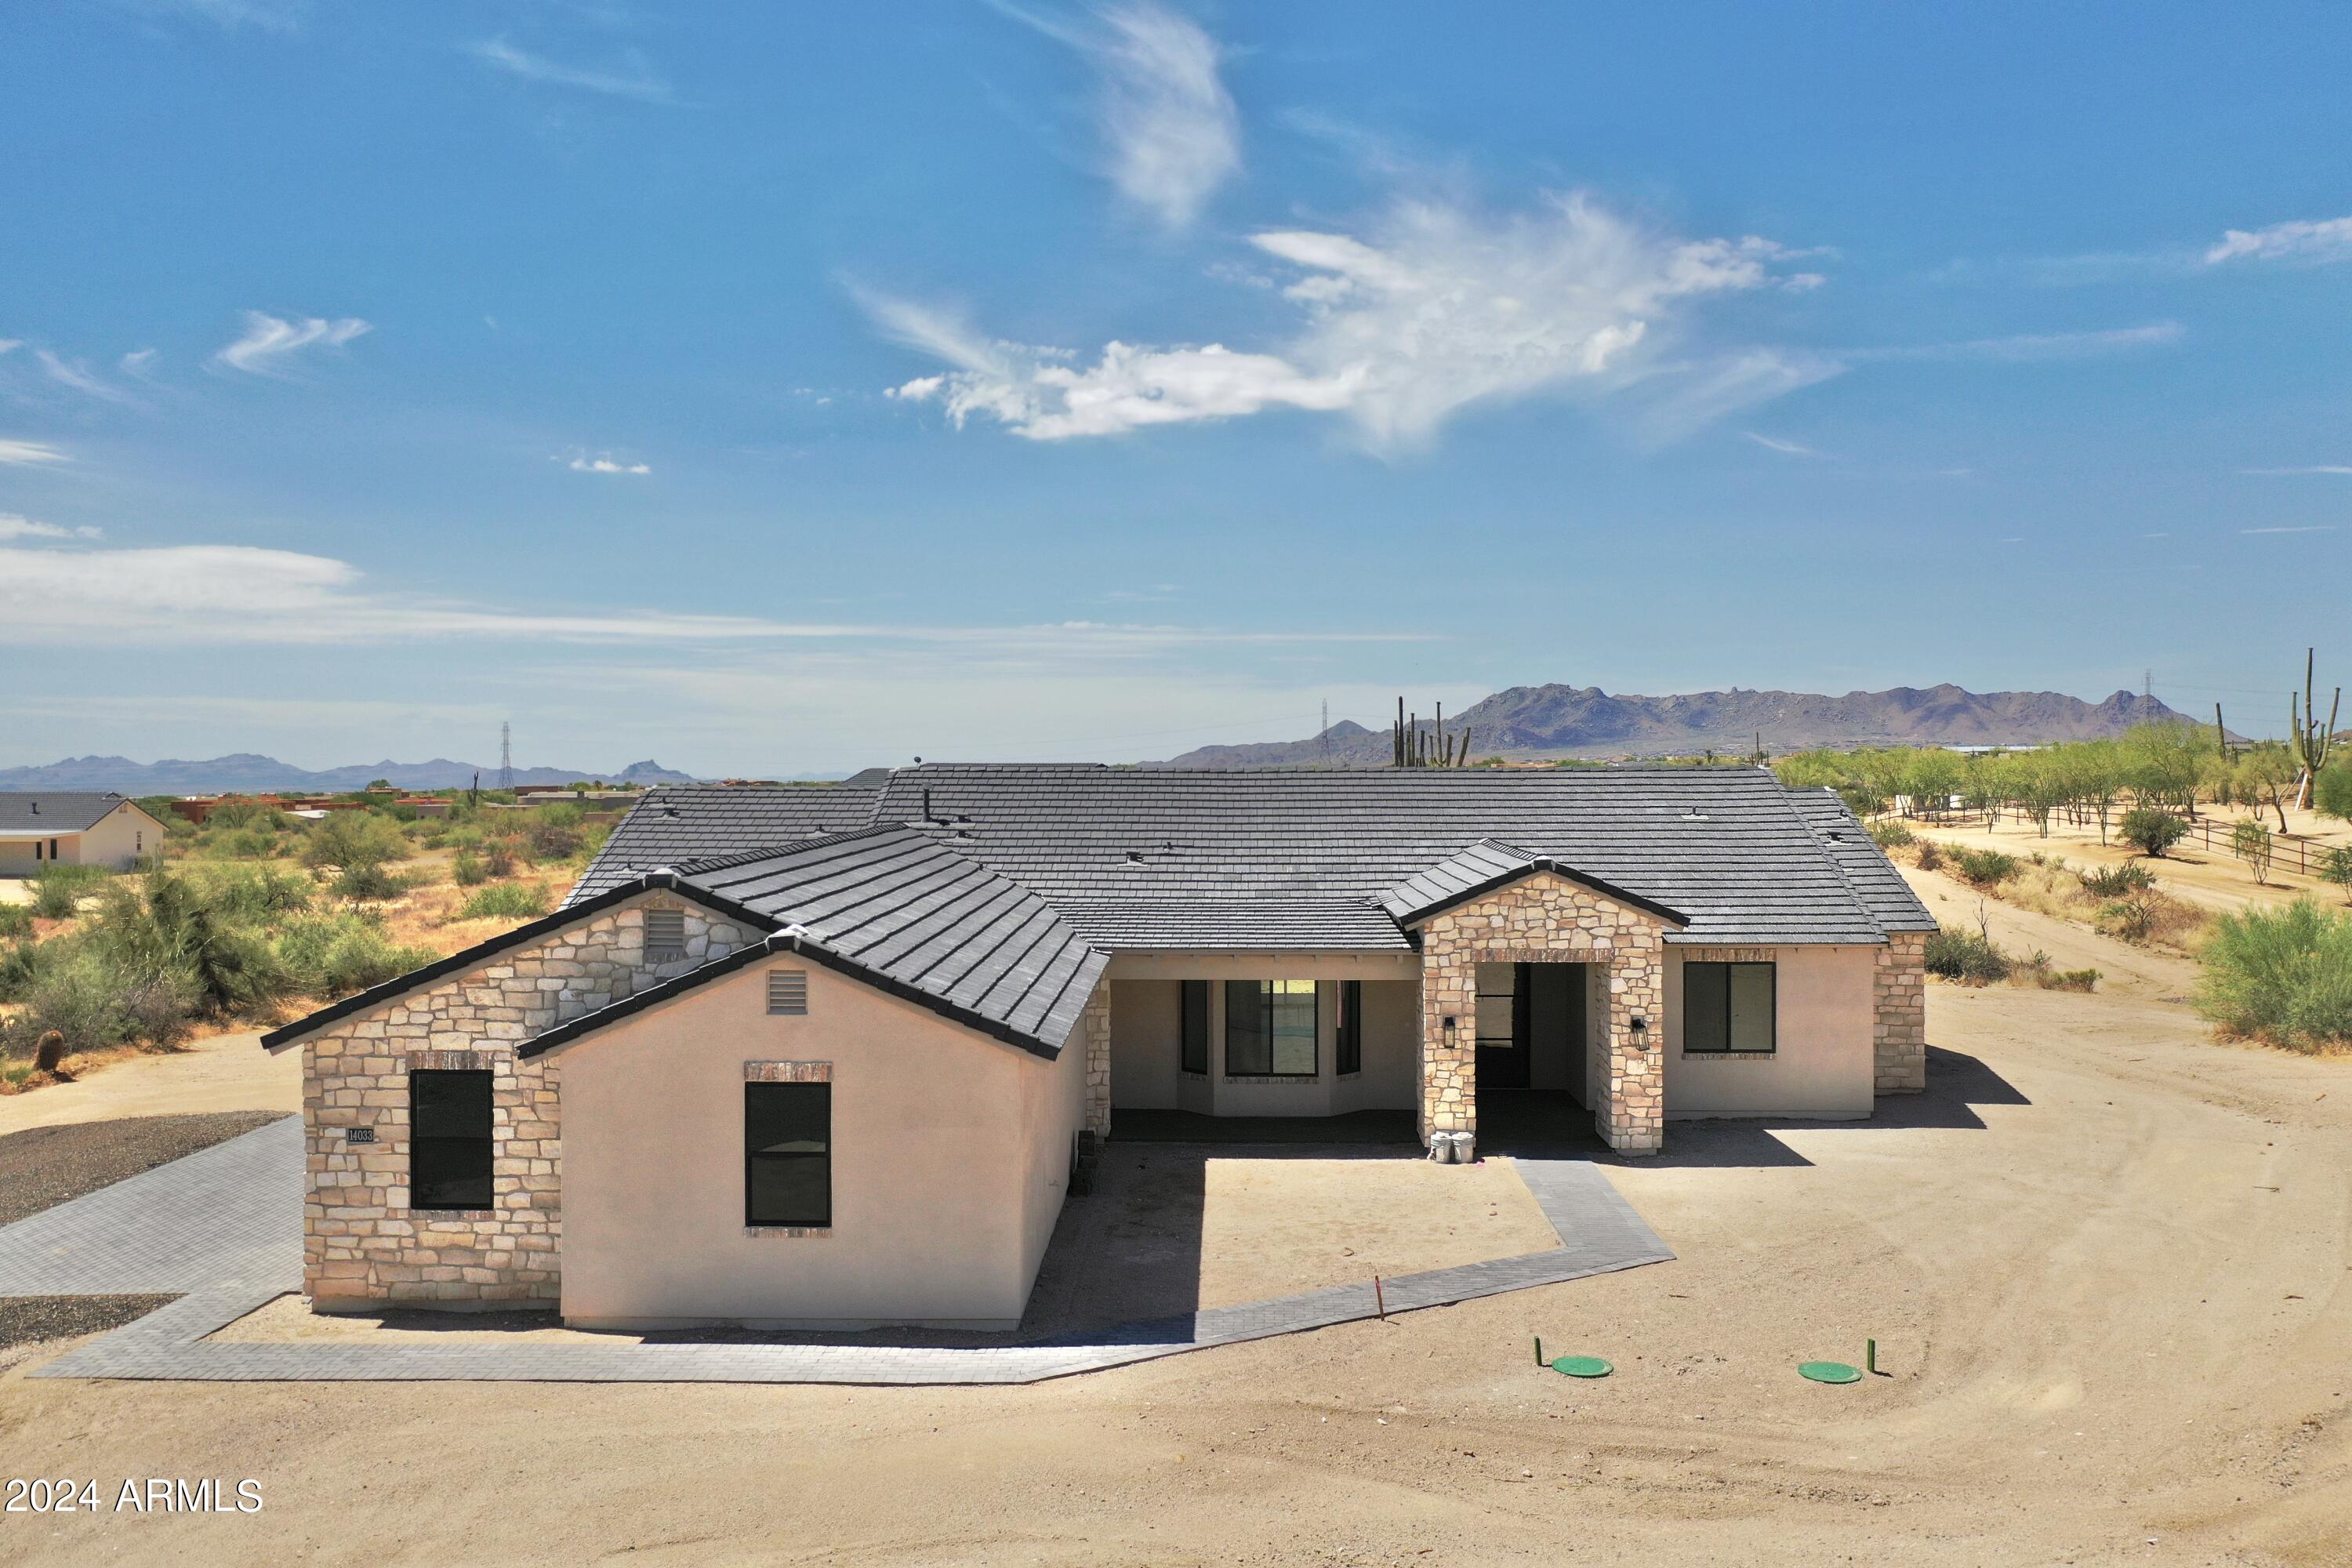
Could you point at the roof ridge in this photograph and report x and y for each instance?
(1836, 860)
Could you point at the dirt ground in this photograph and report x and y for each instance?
(221, 1072)
(2105, 1257)
(2211, 877)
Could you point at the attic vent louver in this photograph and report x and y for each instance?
(665, 934)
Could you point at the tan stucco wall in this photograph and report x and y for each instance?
(1821, 1063)
(117, 839)
(1147, 1023)
(360, 1241)
(950, 1153)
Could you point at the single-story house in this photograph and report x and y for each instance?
(42, 827)
(794, 1057)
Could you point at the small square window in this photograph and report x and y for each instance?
(664, 933)
(788, 991)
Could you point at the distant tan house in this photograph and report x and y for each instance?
(829, 1056)
(42, 827)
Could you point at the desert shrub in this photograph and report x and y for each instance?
(2115, 881)
(1984, 868)
(2044, 970)
(97, 1001)
(2252, 842)
(1966, 956)
(2336, 866)
(506, 900)
(2151, 831)
(2331, 792)
(331, 953)
(348, 839)
(248, 814)
(555, 832)
(2283, 975)
(167, 925)
(499, 856)
(240, 843)
(16, 921)
(59, 890)
(368, 882)
(467, 869)
(1891, 835)
(254, 894)
(1931, 855)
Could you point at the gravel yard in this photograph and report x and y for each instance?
(29, 1320)
(43, 1167)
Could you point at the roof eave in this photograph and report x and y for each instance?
(1421, 915)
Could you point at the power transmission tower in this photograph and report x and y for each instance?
(506, 757)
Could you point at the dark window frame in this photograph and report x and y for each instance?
(1266, 1003)
(1693, 1045)
(1347, 1030)
(452, 1172)
(820, 1218)
(1192, 1028)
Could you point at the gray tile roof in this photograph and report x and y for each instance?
(1487, 865)
(676, 823)
(915, 914)
(53, 811)
(1723, 847)
(1252, 925)
(1873, 877)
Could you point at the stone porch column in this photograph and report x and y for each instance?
(1899, 992)
(1095, 1031)
(1449, 1057)
(1631, 1113)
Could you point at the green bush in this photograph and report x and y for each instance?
(1984, 868)
(468, 870)
(16, 921)
(2050, 977)
(2336, 866)
(98, 1002)
(2151, 831)
(348, 839)
(506, 900)
(2331, 792)
(252, 894)
(59, 890)
(2115, 881)
(1891, 835)
(369, 882)
(332, 955)
(165, 924)
(2283, 975)
(1931, 855)
(1967, 956)
(499, 856)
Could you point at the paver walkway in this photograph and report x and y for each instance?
(231, 1257)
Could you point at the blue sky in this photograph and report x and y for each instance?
(781, 388)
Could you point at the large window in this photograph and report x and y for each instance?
(1195, 1057)
(788, 1154)
(1348, 1029)
(1499, 1004)
(1270, 1028)
(1728, 1006)
(449, 1139)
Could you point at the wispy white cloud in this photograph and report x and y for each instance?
(604, 463)
(214, 594)
(1439, 309)
(1773, 443)
(2305, 528)
(634, 80)
(78, 376)
(2336, 468)
(2033, 346)
(28, 453)
(1169, 131)
(269, 344)
(10, 345)
(139, 364)
(2328, 239)
(15, 525)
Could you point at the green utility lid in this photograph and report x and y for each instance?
(1829, 1372)
(1583, 1366)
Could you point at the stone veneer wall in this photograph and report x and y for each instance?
(360, 1241)
(1095, 1029)
(1546, 919)
(1899, 988)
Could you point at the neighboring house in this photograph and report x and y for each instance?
(57, 826)
(823, 1057)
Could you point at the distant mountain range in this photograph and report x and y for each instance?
(246, 771)
(1532, 722)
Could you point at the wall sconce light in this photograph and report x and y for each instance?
(1640, 1028)
(1449, 1028)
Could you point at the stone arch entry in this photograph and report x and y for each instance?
(1545, 918)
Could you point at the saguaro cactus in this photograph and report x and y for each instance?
(2312, 742)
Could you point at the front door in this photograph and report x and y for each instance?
(1503, 1016)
